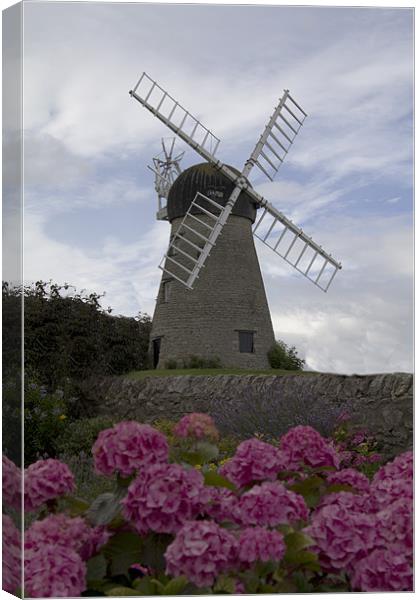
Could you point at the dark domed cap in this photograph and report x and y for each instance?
(211, 182)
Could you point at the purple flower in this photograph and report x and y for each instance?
(127, 447)
(163, 497)
(254, 460)
(70, 532)
(222, 504)
(201, 551)
(52, 570)
(196, 425)
(46, 480)
(358, 481)
(11, 556)
(341, 536)
(259, 544)
(270, 504)
(383, 570)
(303, 445)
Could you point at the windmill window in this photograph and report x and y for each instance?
(246, 341)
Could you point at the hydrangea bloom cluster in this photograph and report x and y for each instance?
(127, 447)
(12, 481)
(201, 551)
(11, 556)
(221, 506)
(197, 426)
(260, 544)
(163, 497)
(53, 570)
(46, 480)
(358, 481)
(400, 468)
(303, 445)
(357, 503)
(342, 536)
(270, 504)
(383, 570)
(387, 490)
(395, 526)
(254, 460)
(73, 533)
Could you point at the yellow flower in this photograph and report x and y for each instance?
(62, 417)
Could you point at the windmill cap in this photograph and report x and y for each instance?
(211, 182)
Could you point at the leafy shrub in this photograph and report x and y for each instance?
(69, 335)
(171, 364)
(44, 421)
(282, 356)
(79, 436)
(197, 362)
(331, 530)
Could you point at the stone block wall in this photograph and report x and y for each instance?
(383, 403)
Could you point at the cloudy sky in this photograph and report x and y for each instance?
(89, 198)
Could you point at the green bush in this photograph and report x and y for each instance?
(197, 362)
(79, 436)
(171, 364)
(282, 356)
(44, 421)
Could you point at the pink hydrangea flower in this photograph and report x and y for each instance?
(383, 570)
(303, 445)
(201, 551)
(71, 532)
(386, 491)
(163, 497)
(128, 447)
(196, 425)
(11, 556)
(260, 544)
(55, 571)
(395, 526)
(221, 505)
(12, 482)
(341, 536)
(357, 503)
(270, 504)
(254, 460)
(46, 480)
(400, 468)
(358, 481)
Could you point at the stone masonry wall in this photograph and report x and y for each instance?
(382, 403)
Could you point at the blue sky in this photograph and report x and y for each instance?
(89, 199)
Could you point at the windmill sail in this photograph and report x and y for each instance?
(180, 121)
(279, 233)
(278, 136)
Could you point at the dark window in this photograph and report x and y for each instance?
(246, 341)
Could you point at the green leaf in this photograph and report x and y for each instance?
(96, 568)
(153, 549)
(121, 591)
(75, 506)
(202, 453)
(145, 586)
(297, 541)
(339, 487)
(104, 508)
(214, 479)
(224, 584)
(175, 586)
(311, 489)
(123, 549)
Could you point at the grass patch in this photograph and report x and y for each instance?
(211, 372)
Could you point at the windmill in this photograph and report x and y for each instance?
(208, 199)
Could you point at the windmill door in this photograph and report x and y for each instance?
(156, 351)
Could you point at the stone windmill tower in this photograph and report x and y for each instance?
(211, 300)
